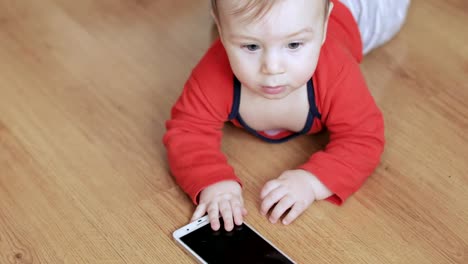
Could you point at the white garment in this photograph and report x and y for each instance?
(378, 20)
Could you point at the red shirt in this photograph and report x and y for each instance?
(339, 101)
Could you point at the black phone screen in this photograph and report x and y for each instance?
(241, 245)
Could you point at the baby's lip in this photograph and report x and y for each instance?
(273, 86)
(273, 89)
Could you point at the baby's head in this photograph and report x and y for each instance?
(273, 45)
(255, 8)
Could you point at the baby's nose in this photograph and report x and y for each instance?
(272, 65)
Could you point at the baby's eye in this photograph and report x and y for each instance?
(294, 45)
(251, 47)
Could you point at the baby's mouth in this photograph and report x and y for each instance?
(273, 89)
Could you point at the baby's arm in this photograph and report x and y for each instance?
(356, 143)
(193, 142)
(356, 130)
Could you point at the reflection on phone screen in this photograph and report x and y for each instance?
(241, 245)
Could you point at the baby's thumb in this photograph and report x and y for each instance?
(244, 211)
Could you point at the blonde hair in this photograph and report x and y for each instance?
(253, 9)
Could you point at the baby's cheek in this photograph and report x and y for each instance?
(245, 66)
(305, 69)
(301, 76)
(245, 73)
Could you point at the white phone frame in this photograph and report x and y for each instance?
(200, 222)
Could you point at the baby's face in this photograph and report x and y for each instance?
(277, 53)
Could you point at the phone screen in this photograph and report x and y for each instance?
(241, 245)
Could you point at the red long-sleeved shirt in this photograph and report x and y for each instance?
(339, 100)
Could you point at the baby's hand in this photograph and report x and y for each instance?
(295, 190)
(223, 197)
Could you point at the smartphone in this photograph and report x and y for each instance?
(241, 245)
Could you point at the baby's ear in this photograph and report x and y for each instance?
(213, 16)
(216, 29)
(214, 32)
(325, 24)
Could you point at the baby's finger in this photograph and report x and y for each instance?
(199, 212)
(213, 215)
(237, 212)
(244, 210)
(268, 187)
(273, 197)
(296, 210)
(226, 213)
(281, 207)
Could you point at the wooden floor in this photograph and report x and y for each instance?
(86, 87)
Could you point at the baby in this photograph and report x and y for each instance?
(282, 69)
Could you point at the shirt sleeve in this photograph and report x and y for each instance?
(194, 132)
(356, 130)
